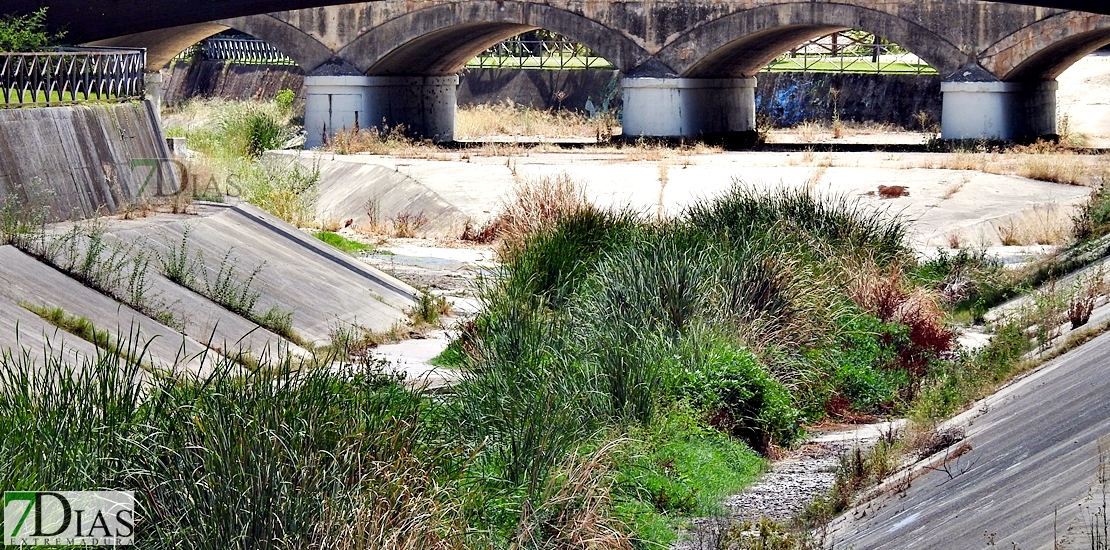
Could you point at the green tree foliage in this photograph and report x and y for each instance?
(26, 33)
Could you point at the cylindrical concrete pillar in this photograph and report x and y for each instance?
(332, 104)
(689, 107)
(424, 106)
(998, 110)
(154, 92)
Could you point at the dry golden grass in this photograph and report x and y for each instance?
(388, 141)
(509, 119)
(1041, 161)
(534, 205)
(816, 131)
(1063, 167)
(954, 239)
(575, 509)
(961, 161)
(1045, 225)
(952, 189)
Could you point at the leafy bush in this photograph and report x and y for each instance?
(866, 378)
(740, 396)
(27, 33)
(1093, 218)
(284, 101)
(286, 189)
(253, 134)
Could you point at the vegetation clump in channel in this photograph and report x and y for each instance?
(625, 374)
(748, 316)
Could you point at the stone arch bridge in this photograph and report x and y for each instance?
(689, 66)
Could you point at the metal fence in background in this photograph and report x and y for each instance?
(243, 51)
(555, 53)
(850, 52)
(71, 75)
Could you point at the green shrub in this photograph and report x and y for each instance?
(284, 101)
(1093, 218)
(286, 189)
(739, 395)
(681, 467)
(866, 362)
(27, 33)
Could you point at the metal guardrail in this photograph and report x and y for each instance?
(850, 52)
(71, 75)
(559, 53)
(243, 51)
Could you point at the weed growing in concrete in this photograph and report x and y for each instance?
(178, 265)
(407, 225)
(429, 309)
(226, 287)
(1098, 523)
(230, 290)
(88, 254)
(21, 224)
(344, 244)
(124, 347)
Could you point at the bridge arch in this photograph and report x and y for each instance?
(742, 43)
(165, 44)
(439, 40)
(1047, 48)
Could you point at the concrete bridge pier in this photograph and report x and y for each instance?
(716, 109)
(996, 110)
(152, 81)
(423, 105)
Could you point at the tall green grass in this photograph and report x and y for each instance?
(617, 380)
(230, 459)
(604, 323)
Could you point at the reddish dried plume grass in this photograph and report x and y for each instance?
(885, 297)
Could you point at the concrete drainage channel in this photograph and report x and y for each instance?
(277, 266)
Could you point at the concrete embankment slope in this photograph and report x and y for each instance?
(83, 160)
(368, 193)
(1029, 481)
(322, 288)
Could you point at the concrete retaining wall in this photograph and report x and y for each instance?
(790, 98)
(81, 160)
(787, 97)
(184, 81)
